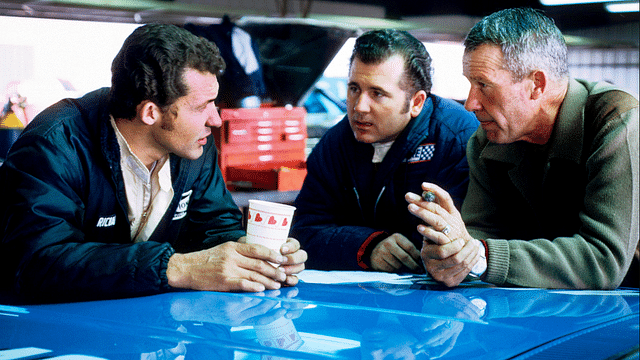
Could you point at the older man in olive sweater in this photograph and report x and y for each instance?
(553, 191)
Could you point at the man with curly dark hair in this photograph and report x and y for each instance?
(118, 194)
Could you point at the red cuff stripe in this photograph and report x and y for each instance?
(363, 248)
(486, 249)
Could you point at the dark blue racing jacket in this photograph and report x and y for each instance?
(347, 206)
(64, 227)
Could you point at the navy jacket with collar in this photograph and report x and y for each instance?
(346, 206)
(64, 228)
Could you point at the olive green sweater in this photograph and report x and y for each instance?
(563, 214)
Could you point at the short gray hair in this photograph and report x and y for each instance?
(529, 41)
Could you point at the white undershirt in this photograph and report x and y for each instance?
(380, 150)
(149, 192)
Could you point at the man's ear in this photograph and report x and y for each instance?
(417, 102)
(149, 112)
(539, 81)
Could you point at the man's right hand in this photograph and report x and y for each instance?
(231, 266)
(394, 252)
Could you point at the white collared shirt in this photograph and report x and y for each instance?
(149, 192)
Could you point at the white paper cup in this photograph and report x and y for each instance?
(268, 223)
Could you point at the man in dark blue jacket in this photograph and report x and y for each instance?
(118, 194)
(351, 212)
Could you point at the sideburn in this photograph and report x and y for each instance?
(168, 119)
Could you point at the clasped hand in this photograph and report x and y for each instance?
(448, 251)
(237, 266)
(395, 253)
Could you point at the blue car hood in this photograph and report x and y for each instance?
(409, 319)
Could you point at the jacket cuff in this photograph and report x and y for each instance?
(363, 256)
(164, 264)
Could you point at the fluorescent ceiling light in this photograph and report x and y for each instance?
(623, 7)
(570, 2)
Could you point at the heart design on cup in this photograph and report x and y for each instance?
(272, 220)
(284, 222)
(258, 218)
(249, 215)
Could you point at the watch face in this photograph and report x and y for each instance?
(479, 268)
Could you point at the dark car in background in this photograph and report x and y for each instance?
(326, 105)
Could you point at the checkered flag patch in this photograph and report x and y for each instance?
(424, 152)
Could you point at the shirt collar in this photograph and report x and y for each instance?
(137, 166)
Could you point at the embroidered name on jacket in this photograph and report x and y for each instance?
(106, 221)
(183, 205)
(424, 152)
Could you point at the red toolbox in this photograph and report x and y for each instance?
(283, 176)
(263, 147)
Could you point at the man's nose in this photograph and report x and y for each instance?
(214, 119)
(473, 102)
(361, 103)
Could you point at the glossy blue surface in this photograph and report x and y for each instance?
(321, 321)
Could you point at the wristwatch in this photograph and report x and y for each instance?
(481, 266)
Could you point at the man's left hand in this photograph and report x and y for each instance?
(295, 259)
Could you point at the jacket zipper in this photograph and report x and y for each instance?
(355, 191)
(375, 206)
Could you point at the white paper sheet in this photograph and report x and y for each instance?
(351, 277)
